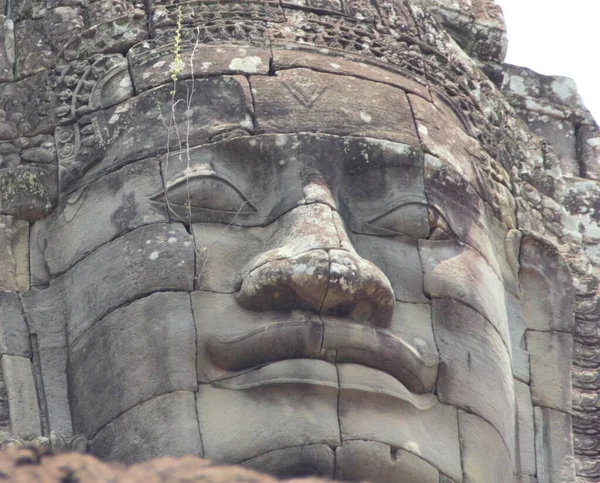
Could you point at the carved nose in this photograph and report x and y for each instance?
(357, 289)
(326, 279)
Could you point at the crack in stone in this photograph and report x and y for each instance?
(339, 395)
(122, 305)
(396, 448)
(241, 462)
(94, 250)
(151, 398)
(196, 369)
(469, 411)
(353, 76)
(37, 370)
(484, 317)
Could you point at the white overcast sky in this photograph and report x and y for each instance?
(557, 37)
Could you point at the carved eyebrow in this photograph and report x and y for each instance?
(200, 171)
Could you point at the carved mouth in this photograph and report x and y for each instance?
(346, 376)
(293, 352)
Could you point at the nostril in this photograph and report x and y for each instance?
(363, 311)
(358, 289)
(284, 299)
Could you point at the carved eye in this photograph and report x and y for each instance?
(409, 219)
(208, 193)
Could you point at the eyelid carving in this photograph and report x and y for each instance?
(200, 187)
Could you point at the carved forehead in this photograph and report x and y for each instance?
(338, 67)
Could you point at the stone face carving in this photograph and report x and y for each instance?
(308, 237)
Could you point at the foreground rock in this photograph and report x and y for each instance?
(31, 464)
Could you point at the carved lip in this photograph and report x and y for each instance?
(330, 340)
(345, 376)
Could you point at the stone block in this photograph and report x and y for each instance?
(108, 139)
(164, 426)
(478, 27)
(485, 457)
(121, 351)
(291, 58)
(475, 371)
(100, 212)
(22, 397)
(14, 333)
(151, 258)
(45, 315)
(525, 441)
(38, 268)
(298, 100)
(36, 150)
(547, 291)
(398, 258)
(165, 13)
(14, 254)
(551, 358)
(101, 11)
(4, 409)
(208, 46)
(53, 372)
(556, 91)
(447, 140)
(517, 326)
(28, 192)
(22, 9)
(315, 460)
(240, 424)
(561, 135)
(553, 446)
(40, 40)
(456, 271)
(28, 187)
(7, 48)
(580, 202)
(369, 416)
(362, 460)
(116, 34)
(588, 147)
(151, 60)
(526, 479)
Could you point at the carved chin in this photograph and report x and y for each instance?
(298, 418)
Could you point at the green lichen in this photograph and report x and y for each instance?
(177, 65)
(21, 182)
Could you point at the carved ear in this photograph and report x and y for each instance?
(79, 443)
(547, 291)
(512, 247)
(439, 228)
(73, 204)
(58, 442)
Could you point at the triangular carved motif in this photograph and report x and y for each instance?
(305, 89)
